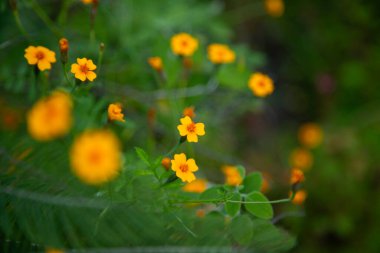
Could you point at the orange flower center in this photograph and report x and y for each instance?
(40, 55)
(191, 127)
(261, 83)
(184, 43)
(94, 157)
(84, 69)
(184, 167)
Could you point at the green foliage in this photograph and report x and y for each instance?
(262, 209)
(252, 182)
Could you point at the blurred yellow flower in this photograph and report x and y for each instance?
(301, 158)
(166, 162)
(83, 69)
(184, 168)
(184, 44)
(219, 53)
(300, 197)
(50, 117)
(297, 176)
(190, 129)
(232, 175)
(261, 85)
(155, 63)
(95, 156)
(189, 111)
(274, 8)
(89, 1)
(310, 135)
(51, 250)
(197, 186)
(40, 56)
(115, 112)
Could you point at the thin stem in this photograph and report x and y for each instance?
(65, 74)
(45, 18)
(168, 154)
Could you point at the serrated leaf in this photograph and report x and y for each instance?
(241, 229)
(233, 208)
(142, 155)
(261, 210)
(252, 182)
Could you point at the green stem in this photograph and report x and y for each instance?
(65, 74)
(168, 154)
(19, 24)
(63, 13)
(45, 18)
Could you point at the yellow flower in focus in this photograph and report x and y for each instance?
(95, 156)
(50, 117)
(275, 8)
(197, 186)
(51, 250)
(261, 85)
(166, 162)
(301, 158)
(115, 112)
(190, 129)
(184, 44)
(310, 135)
(189, 111)
(155, 63)
(297, 176)
(219, 53)
(300, 197)
(232, 175)
(184, 168)
(83, 69)
(40, 56)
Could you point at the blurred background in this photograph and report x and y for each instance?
(324, 58)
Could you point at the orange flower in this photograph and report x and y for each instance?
(297, 176)
(84, 69)
(89, 1)
(190, 129)
(184, 44)
(184, 168)
(300, 197)
(310, 135)
(189, 111)
(115, 112)
(261, 85)
(63, 45)
(219, 53)
(155, 63)
(51, 250)
(301, 158)
(166, 162)
(40, 56)
(50, 117)
(232, 175)
(200, 213)
(197, 186)
(274, 8)
(265, 185)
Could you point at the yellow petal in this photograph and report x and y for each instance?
(82, 61)
(182, 130)
(192, 137)
(186, 120)
(75, 68)
(192, 165)
(180, 158)
(200, 129)
(44, 64)
(190, 177)
(91, 75)
(91, 65)
(81, 76)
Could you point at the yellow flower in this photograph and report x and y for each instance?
(219, 53)
(197, 186)
(301, 158)
(50, 117)
(89, 1)
(297, 176)
(232, 175)
(184, 168)
(95, 156)
(184, 44)
(190, 129)
(274, 8)
(310, 135)
(166, 162)
(84, 69)
(115, 112)
(300, 197)
(51, 250)
(261, 85)
(155, 63)
(40, 56)
(189, 111)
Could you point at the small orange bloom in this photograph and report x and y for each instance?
(166, 162)
(261, 85)
(265, 186)
(310, 135)
(300, 197)
(297, 176)
(184, 44)
(190, 129)
(155, 63)
(219, 53)
(201, 213)
(40, 56)
(83, 69)
(274, 8)
(115, 112)
(51, 250)
(189, 111)
(301, 158)
(232, 175)
(184, 168)
(197, 186)
(63, 45)
(89, 1)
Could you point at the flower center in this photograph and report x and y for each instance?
(94, 157)
(191, 127)
(261, 83)
(40, 55)
(84, 69)
(183, 167)
(184, 43)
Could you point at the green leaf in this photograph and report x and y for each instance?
(260, 210)
(252, 182)
(233, 208)
(213, 193)
(241, 170)
(241, 229)
(142, 155)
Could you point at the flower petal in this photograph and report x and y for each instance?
(180, 158)
(90, 65)
(81, 76)
(75, 68)
(186, 120)
(200, 129)
(44, 64)
(82, 61)
(192, 165)
(192, 137)
(91, 75)
(182, 130)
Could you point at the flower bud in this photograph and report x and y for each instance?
(64, 48)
